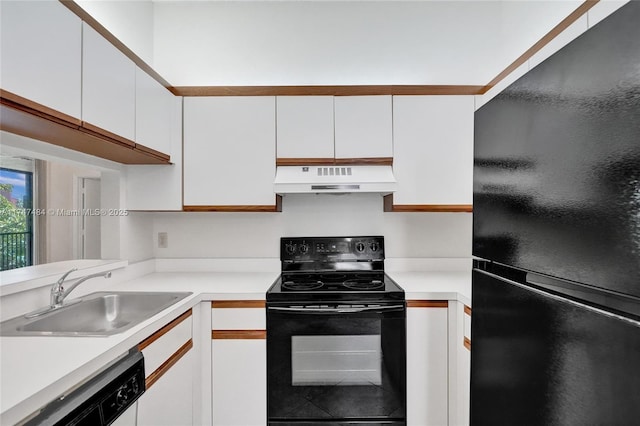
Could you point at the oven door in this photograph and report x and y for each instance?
(336, 364)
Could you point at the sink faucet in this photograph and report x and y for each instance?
(59, 293)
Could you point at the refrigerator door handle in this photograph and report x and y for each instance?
(598, 296)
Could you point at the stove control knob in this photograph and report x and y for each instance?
(290, 248)
(360, 247)
(375, 246)
(304, 248)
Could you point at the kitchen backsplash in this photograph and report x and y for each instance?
(257, 235)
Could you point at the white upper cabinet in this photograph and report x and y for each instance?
(433, 149)
(108, 86)
(41, 54)
(154, 106)
(229, 151)
(305, 126)
(363, 127)
(154, 187)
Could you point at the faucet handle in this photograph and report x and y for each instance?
(62, 278)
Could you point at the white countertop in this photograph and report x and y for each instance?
(36, 368)
(435, 285)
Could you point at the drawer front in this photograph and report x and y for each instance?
(166, 343)
(233, 315)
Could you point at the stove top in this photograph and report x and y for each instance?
(336, 281)
(333, 269)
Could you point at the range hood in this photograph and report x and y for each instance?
(334, 179)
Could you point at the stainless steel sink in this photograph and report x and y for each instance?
(97, 314)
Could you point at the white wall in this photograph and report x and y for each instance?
(357, 42)
(257, 235)
(601, 10)
(131, 21)
(136, 237)
(61, 194)
(125, 235)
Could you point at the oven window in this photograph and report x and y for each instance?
(336, 367)
(336, 360)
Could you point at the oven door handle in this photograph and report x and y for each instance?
(337, 310)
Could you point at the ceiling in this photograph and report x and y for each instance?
(209, 43)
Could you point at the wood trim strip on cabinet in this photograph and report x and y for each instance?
(467, 310)
(27, 105)
(354, 90)
(467, 343)
(223, 304)
(14, 119)
(93, 23)
(433, 208)
(166, 366)
(427, 303)
(238, 334)
(553, 33)
(305, 161)
(102, 133)
(376, 161)
(424, 208)
(373, 161)
(241, 209)
(164, 330)
(153, 152)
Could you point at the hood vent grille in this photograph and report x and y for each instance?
(334, 179)
(334, 171)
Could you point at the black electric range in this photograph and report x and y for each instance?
(336, 335)
(333, 269)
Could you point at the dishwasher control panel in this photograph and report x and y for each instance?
(100, 400)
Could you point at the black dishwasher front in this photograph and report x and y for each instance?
(99, 401)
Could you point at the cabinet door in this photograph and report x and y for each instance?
(169, 364)
(129, 417)
(154, 110)
(305, 126)
(363, 127)
(229, 151)
(108, 85)
(153, 187)
(465, 370)
(41, 54)
(170, 400)
(433, 149)
(239, 382)
(427, 365)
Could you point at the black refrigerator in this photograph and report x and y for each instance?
(556, 238)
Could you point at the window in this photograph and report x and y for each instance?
(16, 214)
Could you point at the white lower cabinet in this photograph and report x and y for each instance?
(169, 365)
(427, 364)
(239, 382)
(459, 363)
(170, 400)
(239, 363)
(128, 418)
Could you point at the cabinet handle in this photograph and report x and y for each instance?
(338, 310)
(153, 377)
